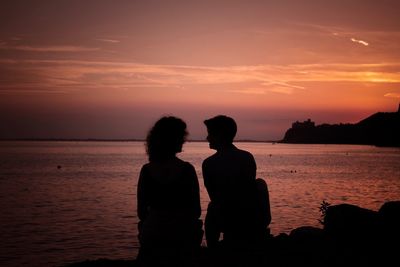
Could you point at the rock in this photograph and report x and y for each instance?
(349, 221)
(390, 216)
(307, 245)
(307, 235)
(104, 263)
(352, 235)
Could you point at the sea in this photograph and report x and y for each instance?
(64, 202)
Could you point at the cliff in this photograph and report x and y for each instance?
(381, 129)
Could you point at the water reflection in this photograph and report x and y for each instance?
(87, 209)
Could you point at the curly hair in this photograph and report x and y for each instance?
(165, 138)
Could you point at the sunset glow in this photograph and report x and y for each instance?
(105, 69)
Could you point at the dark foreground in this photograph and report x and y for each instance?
(351, 236)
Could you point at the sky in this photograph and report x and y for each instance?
(110, 69)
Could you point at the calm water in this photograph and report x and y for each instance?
(86, 209)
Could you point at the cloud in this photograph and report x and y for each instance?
(108, 40)
(284, 84)
(249, 91)
(359, 41)
(31, 91)
(246, 79)
(320, 29)
(61, 48)
(282, 90)
(392, 95)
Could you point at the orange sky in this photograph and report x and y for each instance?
(109, 69)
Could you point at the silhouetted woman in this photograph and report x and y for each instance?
(168, 198)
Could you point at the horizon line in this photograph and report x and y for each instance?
(118, 140)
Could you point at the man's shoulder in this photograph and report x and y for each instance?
(187, 165)
(243, 153)
(145, 166)
(210, 159)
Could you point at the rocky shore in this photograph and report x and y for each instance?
(351, 236)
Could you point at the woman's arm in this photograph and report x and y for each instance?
(194, 191)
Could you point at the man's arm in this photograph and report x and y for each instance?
(207, 179)
(141, 195)
(195, 191)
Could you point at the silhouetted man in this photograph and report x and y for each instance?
(237, 209)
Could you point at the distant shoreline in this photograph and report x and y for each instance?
(189, 141)
(380, 129)
(118, 140)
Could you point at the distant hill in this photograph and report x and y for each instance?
(380, 129)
